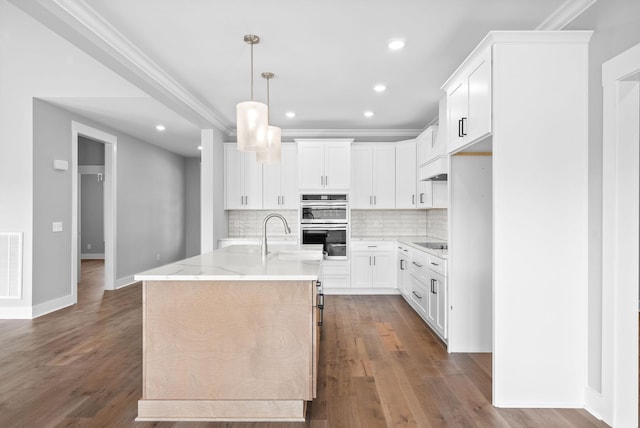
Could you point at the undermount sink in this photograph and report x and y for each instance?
(433, 245)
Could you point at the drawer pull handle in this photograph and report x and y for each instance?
(417, 295)
(417, 264)
(435, 264)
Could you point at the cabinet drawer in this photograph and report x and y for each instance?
(370, 246)
(338, 268)
(437, 264)
(419, 265)
(419, 295)
(329, 282)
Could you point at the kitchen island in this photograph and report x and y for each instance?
(231, 335)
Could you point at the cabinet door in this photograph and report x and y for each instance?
(361, 269)
(479, 109)
(424, 145)
(233, 178)
(337, 165)
(457, 110)
(252, 182)
(441, 317)
(361, 176)
(383, 270)
(432, 306)
(271, 184)
(289, 177)
(384, 176)
(424, 194)
(406, 174)
(440, 194)
(311, 165)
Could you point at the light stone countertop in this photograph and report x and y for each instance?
(410, 241)
(244, 263)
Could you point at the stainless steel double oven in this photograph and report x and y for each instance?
(324, 219)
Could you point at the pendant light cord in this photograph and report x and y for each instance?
(252, 72)
(268, 108)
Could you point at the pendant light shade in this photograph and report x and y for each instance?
(252, 117)
(273, 152)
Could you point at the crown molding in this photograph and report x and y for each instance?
(346, 133)
(101, 35)
(565, 14)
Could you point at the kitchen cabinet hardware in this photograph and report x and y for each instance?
(417, 295)
(374, 260)
(413, 199)
(464, 133)
(417, 264)
(372, 246)
(422, 198)
(435, 264)
(402, 262)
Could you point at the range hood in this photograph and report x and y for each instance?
(437, 168)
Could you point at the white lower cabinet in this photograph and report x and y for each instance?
(373, 265)
(335, 274)
(402, 269)
(426, 287)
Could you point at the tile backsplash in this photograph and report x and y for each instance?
(364, 223)
(249, 223)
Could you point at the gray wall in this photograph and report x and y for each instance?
(90, 152)
(150, 203)
(616, 25)
(193, 206)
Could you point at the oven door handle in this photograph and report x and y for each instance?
(315, 227)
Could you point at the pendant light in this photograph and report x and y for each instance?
(274, 133)
(251, 116)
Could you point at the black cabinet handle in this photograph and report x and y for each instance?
(419, 265)
(464, 133)
(460, 128)
(417, 295)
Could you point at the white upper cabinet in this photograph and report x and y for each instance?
(280, 181)
(243, 179)
(324, 164)
(406, 174)
(373, 175)
(469, 102)
(424, 145)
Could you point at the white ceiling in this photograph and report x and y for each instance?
(326, 55)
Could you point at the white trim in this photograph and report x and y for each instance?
(92, 256)
(17, 313)
(347, 133)
(54, 305)
(618, 402)
(360, 291)
(123, 282)
(110, 205)
(565, 14)
(103, 36)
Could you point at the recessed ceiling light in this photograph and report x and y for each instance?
(368, 114)
(379, 87)
(199, 147)
(290, 114)
(160, 127)
(396, 44)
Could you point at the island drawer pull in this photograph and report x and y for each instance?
(435, 264)
(417, 295)
(417, 264)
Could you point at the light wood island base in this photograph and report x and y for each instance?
(228, 350)
(222, 410)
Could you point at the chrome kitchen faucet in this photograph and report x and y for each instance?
(287, 230)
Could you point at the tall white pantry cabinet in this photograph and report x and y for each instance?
(517, 124)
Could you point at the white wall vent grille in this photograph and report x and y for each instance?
(10, 265)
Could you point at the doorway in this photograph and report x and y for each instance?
(78, 131)
(621, 241)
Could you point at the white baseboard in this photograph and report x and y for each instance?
(123, 282)
(16, 313)
(527, 405)
(360, 291)
(92, 256)
(53, 305)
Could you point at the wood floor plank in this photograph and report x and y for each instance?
(380, 365)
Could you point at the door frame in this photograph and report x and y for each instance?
(617, 403)
(110, 197)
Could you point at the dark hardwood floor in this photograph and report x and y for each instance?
(380, 366)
